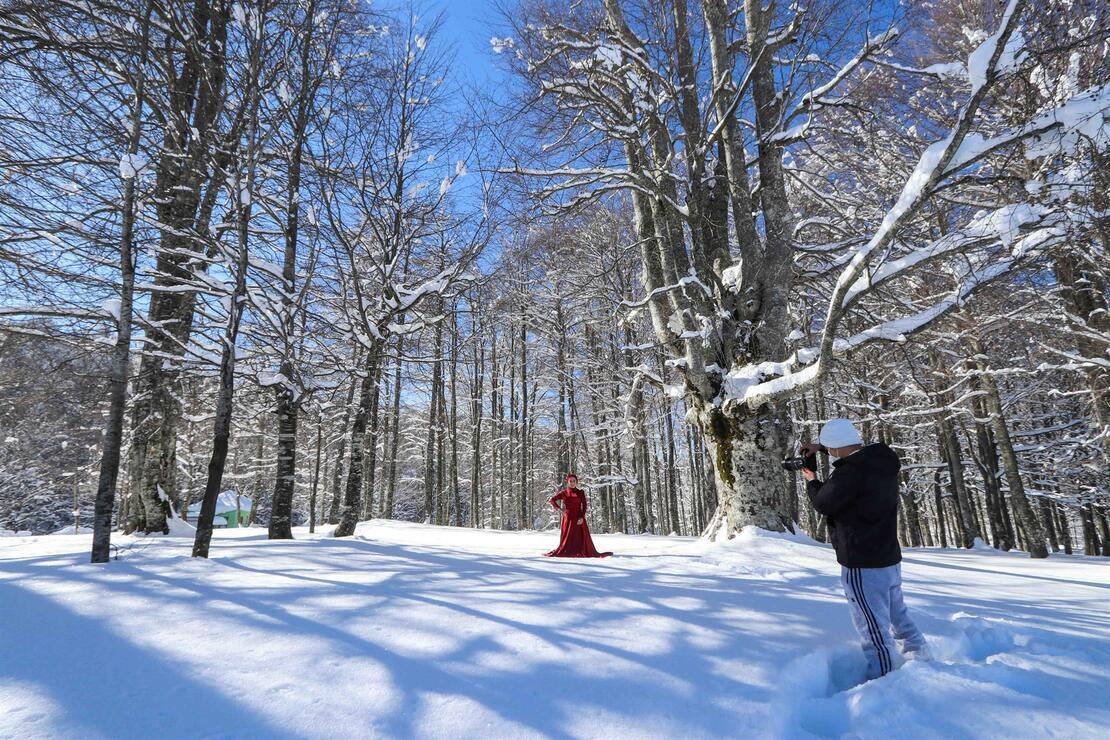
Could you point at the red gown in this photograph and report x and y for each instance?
(574, 538)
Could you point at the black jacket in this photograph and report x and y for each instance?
(860, 499)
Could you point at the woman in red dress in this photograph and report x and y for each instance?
(574, 537)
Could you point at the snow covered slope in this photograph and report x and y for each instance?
(411, 630)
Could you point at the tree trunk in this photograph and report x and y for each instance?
(453, 471)
(443, 514)
(938, 498)
(960, 531)
(523, 512)
(476, 407)
(117, 393)
(1104, 531)
(966, 529)
(121, 352)
(352, 494)
(433, 424)
(221, 435)
(288, 397)
(225, 395)
(394, 436)
(747, 452)
(987, 462)
(370, 467)
(1064, 526)
(1091, 545)
(662, 521)
(183, 169)
(256, 486)
(337, 471)
(1049, 523)
(671, 462)
(497, 446)
(315, 475)
(1084, 293)
(1029, 523)
(285, 477)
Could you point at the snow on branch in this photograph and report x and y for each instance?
(930, 170)
(682, 283)
(1054, 131)
(57, 313)
(1002, 224)
(757, 384)
(815, 99)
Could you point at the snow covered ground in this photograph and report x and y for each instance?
(410, 630)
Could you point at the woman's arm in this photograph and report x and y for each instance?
(560, 496)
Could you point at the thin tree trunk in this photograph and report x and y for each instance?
(288, 399)
(1064, 526)
(337, 471)
(1091, 544)
(524, 514)
(433, 423)
(476, 406)
(1048, 523)
(394, 434)
(256, 487)
(225, 395)
(352, 494)
(955, 483)
(987, 461)
(938, 497)
(672, 482)
(453, 473)
(371, 458)
(315, 474)
(1023, 511)
(121, 352)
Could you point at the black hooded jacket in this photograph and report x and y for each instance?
(860, 498)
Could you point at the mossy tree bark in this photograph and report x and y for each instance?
(752, 488)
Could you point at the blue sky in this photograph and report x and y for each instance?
(468, 26)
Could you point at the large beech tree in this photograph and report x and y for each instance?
(696, 110)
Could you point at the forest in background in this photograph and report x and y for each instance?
(275, 248)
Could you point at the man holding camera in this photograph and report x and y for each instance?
(860, 499)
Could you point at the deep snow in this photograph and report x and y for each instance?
(412, 630)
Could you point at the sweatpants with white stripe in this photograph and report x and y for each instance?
(880, 616)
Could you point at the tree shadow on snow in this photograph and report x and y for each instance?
(675, 650)
(92, 674)
(678, 682)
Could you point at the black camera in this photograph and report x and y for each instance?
(794, 464)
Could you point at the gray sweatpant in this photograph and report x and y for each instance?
(879, 614)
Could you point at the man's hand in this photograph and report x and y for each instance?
(810, 448)
(809, 474)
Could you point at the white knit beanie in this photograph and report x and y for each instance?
(840, 433)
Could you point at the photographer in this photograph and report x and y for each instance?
(860, 499)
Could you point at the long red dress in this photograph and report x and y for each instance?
(574, 538)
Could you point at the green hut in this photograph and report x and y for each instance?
(232, 510)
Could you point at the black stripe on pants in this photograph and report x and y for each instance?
(856, 579)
